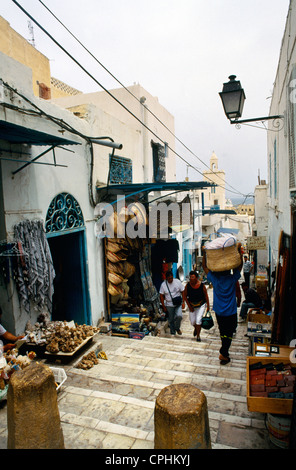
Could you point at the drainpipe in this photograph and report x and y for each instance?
(144, 140)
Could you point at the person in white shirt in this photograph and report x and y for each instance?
(171, 294)
(247, 269)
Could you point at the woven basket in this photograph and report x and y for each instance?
(114, 290)
(115, 257)
(223, 259)
(115, 278)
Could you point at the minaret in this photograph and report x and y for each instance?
(214, 162)
(216, 196)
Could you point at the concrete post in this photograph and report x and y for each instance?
(181, 418)
(33, 418)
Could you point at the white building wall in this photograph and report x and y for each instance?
(28, 194)
(279, 200)
(127, 130)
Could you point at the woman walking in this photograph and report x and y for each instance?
(197, 299)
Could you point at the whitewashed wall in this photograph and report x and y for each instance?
(111, 118)
(279, 202)
(29, 193)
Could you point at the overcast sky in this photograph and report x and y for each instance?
(181, 52)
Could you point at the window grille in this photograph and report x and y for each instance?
(64, 213)
(121, 170)
(158, 153)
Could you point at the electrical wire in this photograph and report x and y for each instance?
(130, 92)
(133, 95)
(110, 94)
(60, 122)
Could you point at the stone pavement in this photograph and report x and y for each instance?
(111, 405)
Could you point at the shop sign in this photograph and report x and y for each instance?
(256, 243)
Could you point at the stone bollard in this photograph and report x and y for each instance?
(33, 418)
(181, 418)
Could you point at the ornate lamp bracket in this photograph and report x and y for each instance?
(277, 123)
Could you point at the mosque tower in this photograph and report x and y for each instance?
(215, 196)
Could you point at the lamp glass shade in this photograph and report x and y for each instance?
(233, 98)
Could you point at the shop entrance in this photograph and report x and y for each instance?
(65, 232)
(70, 298)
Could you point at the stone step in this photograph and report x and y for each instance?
(135, 410)
(112, 404)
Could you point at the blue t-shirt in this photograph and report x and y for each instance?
(224, 292)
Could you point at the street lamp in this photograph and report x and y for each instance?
(233, 99)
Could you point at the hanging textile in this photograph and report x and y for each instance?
(35, 271)
(281, 305)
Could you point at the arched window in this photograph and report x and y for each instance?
(64, 213)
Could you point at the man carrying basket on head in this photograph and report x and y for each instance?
(224, 305)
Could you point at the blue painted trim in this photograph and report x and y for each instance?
(65, 232)
(85, 278)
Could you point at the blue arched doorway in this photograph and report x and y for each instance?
(65, 231)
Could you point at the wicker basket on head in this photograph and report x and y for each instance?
(223, 259)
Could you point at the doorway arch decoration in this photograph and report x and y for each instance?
(64, 213)
(66, 234)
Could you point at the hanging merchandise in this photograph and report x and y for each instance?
(116, 225)
(115, 291)
(114, 247)
(150, 292)
(9, 252)
(133, 300)
(115, 257)
(138, 211)
(128, 269)
(35, 271)
(115, 278)
(280, 320)
(115, 267)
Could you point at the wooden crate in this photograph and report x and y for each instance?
(267, 405)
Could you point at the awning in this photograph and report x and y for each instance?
(217, 211)
(138, 188)
(228, 230)
(16, 134)
(180, 228)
